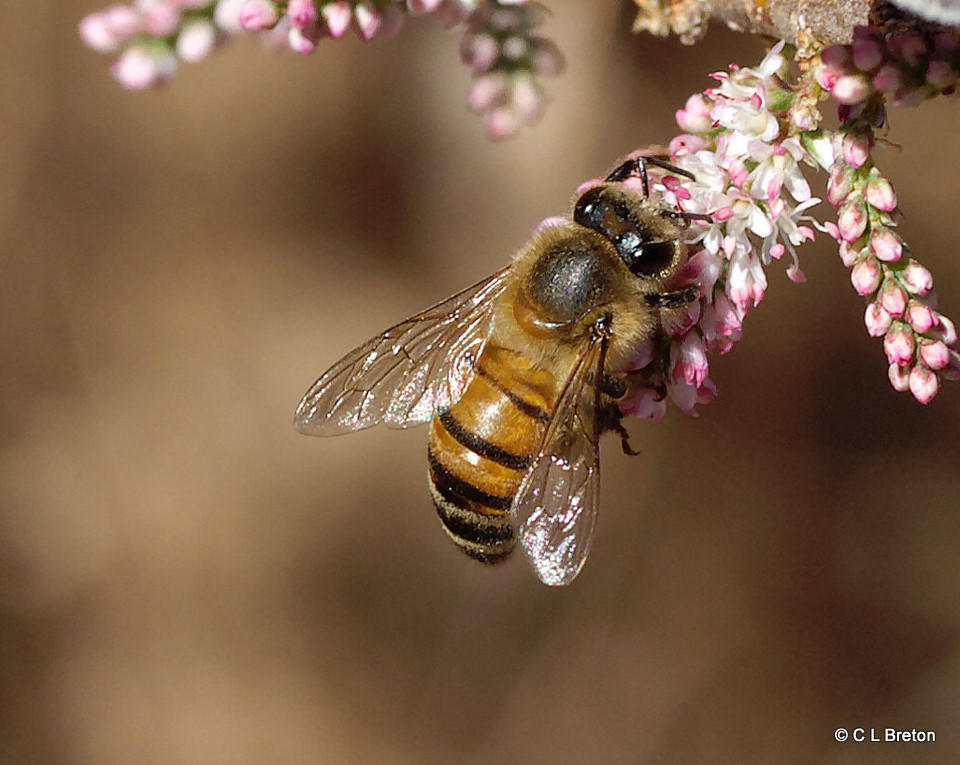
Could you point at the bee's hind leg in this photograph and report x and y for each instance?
(610, 418)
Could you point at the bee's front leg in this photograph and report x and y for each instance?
(676, 299)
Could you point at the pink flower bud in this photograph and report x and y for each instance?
(681, 321)
(302, 13)
(303, 39)
(688, 360)
(258, 15)
(796, 274)
(923, 384)
(836, 57)
(934, 353)
(643, 354)
(739, 172)
(885, 245)
(852, 219)
(391, 22)
(826, 78)
(527, 98)
(877, 320)
(487, 91)
(920, 316)
(687, 396)
(866, 276)
(899, 376)
(898, 344)
(857, 148)
(226, 15)
(685, 143)
(501, 124)
(479, 51)
(161, 20)
(368, 19)
(916, 278)
(867, 55)
(646, 404)
(694, 117)
(196, 40)
(123, 21)
(139, 68)
(851, 89)
(944, 329)
(909, 96)
(703, 269)
(423, 6)
(547, 58)
(97, 34)
(840, 183)
(336, 16)
(893, 298)
(721, 323)
(514, 48)
(879, 193)
(941, 75)
(910, 47)
(952, 370)
(888, 78)
(452, 14)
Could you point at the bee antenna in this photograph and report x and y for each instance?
(638, 166)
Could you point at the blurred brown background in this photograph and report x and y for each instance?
(184, 579)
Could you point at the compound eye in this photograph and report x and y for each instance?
(650, 257)
(588, 211)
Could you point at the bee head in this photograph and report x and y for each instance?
(645, 239)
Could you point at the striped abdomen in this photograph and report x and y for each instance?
(481, 447)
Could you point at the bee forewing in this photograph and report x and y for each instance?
(555, 510)
(408, 373)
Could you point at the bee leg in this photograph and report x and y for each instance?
(672, 299)
(610, 417)
(614, 387)
(687, 216)
(638, 167)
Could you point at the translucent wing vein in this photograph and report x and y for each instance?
(404, 375)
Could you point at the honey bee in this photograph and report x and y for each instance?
(519, 374)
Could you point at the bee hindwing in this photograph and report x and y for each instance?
(555, 510)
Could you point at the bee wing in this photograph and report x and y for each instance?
(555, 510)
(404, 375)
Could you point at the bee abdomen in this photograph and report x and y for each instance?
(482, 446)
(480, 449)
(486, 537)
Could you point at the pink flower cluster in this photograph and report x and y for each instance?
(744, 142)
(506, 57)
(908, 68)
(902, 307)
(150, 38)
(748, 181)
